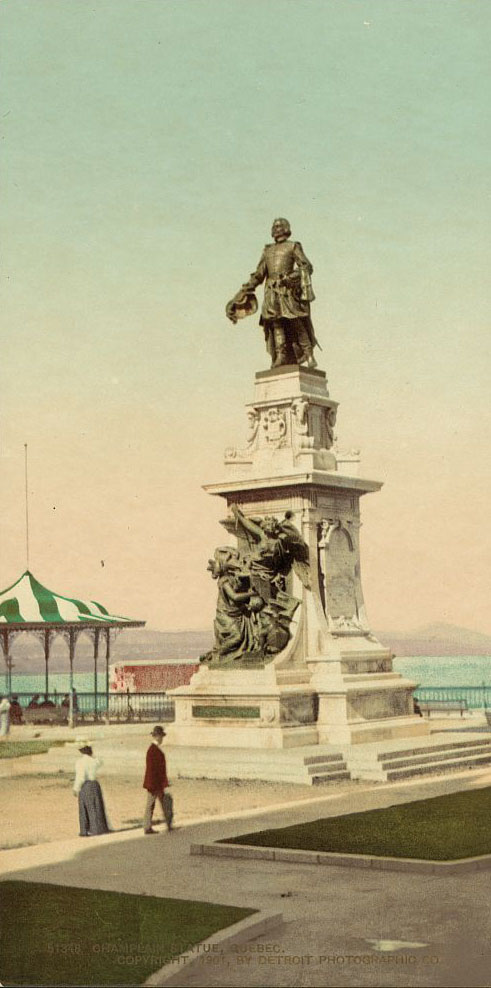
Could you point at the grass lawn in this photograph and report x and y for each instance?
(54, 935)
(443, 828)
(16, 749)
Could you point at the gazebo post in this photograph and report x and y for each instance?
(6, 655)
(96, 656)
(71, 656)
(8, 658)
(47, 638)
(108, 656)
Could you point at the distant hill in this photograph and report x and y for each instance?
(143, 643)
(135, 643)
(437, 639)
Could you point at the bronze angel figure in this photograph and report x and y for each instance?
(276, 547)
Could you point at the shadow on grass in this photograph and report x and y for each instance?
(74, 936)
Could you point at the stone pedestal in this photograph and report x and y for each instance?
(333, 683)
(250, 708)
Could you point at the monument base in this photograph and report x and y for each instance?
(245, 708)
(293, 503)
(384, 761)
(388, 729)
(233, 734)
(360, 698)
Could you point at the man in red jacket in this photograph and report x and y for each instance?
(155, 782)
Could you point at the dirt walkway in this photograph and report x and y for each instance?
(42, 807)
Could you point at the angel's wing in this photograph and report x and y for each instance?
(297, 549)
(303, 572)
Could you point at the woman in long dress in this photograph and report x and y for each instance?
(91, 809)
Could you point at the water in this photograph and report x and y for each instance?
(59, 681)
(433, 670)
(446, 670)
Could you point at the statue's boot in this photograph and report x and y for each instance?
(280, 346)
(308, 357)
(281, 357)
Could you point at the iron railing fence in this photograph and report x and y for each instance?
(472, 697)
(135, 707)
(117, 707)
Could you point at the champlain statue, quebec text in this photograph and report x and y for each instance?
(285, 315)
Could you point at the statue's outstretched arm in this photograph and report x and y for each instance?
(257, 277)
(247, 524)
(244, 303)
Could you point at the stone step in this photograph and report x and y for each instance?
(328, 766)
(316, 759)
(368, 757)
(323, 777)
(429, 748)
(440, 767)
(423, 759)
(437, 766)
(298, 774)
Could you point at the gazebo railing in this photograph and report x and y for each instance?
(122, 708)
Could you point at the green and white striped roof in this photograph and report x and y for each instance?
(28, 602)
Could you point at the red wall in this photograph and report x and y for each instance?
(153, 678)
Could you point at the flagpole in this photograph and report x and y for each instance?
(27, 507)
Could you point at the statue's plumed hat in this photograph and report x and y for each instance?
(243, 304)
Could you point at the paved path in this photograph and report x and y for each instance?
(334, 919)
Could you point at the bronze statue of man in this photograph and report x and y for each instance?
(285, 314)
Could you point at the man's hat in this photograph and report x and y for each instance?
(158, 732)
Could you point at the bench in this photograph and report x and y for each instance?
(45, 715)
(458, 705)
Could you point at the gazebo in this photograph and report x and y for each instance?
(29, 607)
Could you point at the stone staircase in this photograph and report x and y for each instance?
(325, 768)
(383, 761)
(436, 756)
(290, 765)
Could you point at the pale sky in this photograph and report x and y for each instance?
(146, 147)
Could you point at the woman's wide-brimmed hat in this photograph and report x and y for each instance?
(158, 732)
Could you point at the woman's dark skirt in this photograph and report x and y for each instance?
(91, 810)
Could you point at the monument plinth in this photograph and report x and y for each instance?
(332, 681)
(294, 661)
